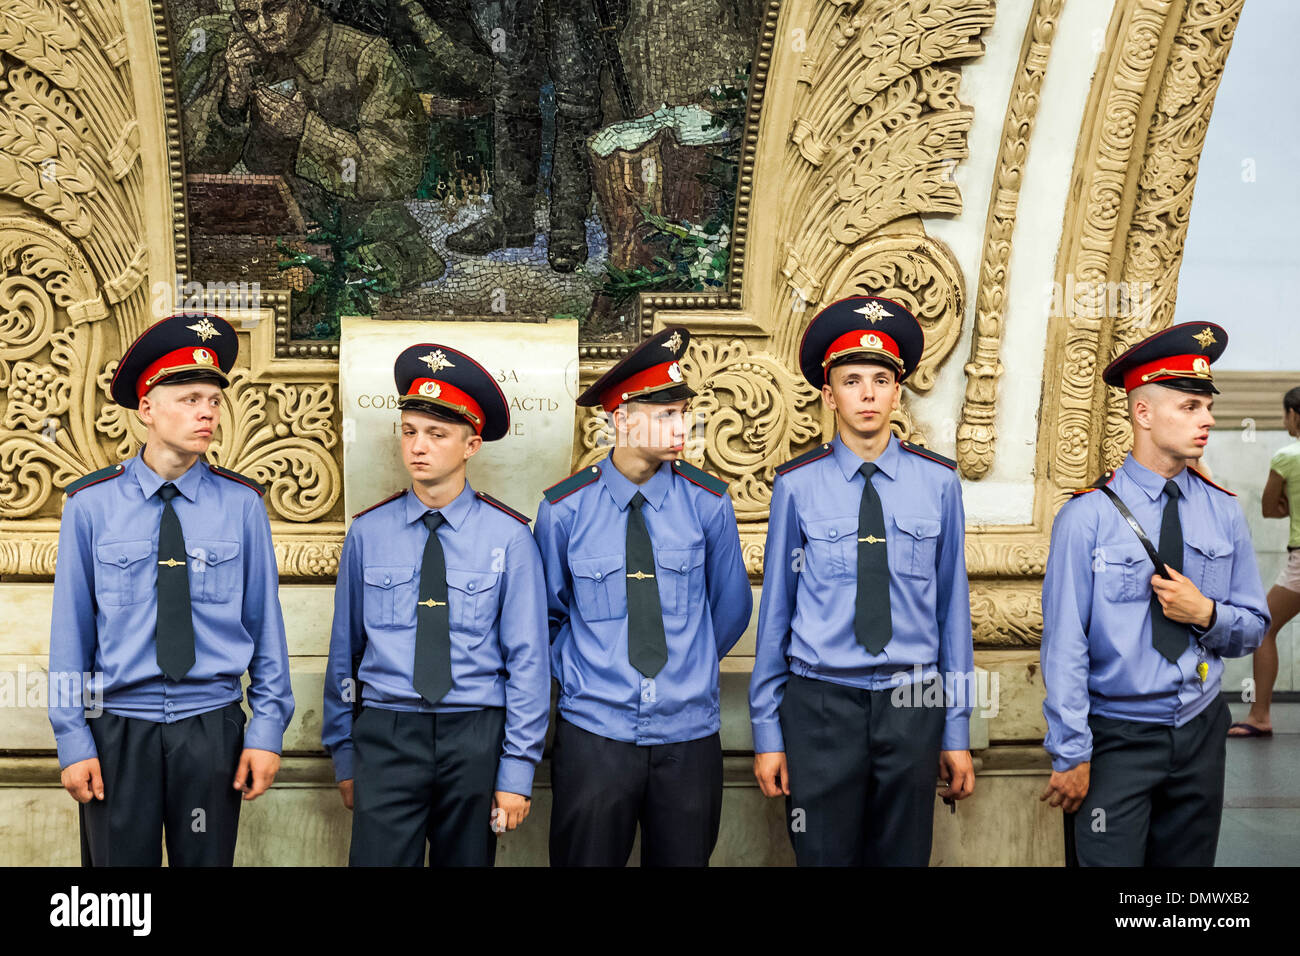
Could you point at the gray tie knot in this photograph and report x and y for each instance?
(433, 520)
(637, 501)
(168, 491)
(1171, 489)
(868, 468)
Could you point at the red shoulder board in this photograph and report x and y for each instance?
(924, 452)
(579, 479)
(821, 451)
(1101, 482)
(378, 503)
(501, 506)
(1210, 483)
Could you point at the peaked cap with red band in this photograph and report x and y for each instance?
(649, 373)
(442, 380)
(1178, 357)
(865, 327)
(194, 342)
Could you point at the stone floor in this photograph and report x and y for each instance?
(1261, 805)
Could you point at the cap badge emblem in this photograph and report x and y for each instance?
(437, 361)
(205, 329)
(873, 311)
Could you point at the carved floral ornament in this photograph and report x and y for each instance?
(863, 130)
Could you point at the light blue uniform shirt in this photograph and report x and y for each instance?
(106, 606)
(497, 610)
(1097, 654)
(704, 597)
(810, 573)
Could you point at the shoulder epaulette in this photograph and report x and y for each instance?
(579, 479)
(502, 506)
(698, 476)
(821, 451)
(392, 497)
(926, 453)
(1101, 482)
(236, 476)
(94, 478)
(1210, 483)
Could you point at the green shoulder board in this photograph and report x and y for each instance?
(501, 506)
(697, 476)
(579, 479)
(926, 453)
(392, 497)
(236, 476)
(94, 478)
(821, 451)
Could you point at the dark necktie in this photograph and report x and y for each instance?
(647, 648)
(1169, 637)
(174, 628)
(872, 623)
(432, 675)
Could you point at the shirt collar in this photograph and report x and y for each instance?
(1150, 482)
(150, 481)
(622, 489)
(849, 463)
(454, 511)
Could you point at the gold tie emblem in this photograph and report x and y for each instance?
(872, 539)
(640, 575)
(171, 563)
(1202, 671)
(432, 603)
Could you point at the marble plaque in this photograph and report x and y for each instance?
(536, 365)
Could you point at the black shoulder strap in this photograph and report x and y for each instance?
(1137, 530)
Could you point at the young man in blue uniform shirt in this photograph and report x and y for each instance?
(863, 671)
(1133, 639)
(165, 593)
(647, 591)
(440, 617)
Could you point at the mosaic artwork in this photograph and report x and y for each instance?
(424, 158)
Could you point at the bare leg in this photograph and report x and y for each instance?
(1283, 605)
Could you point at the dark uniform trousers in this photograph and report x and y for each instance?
(603, 788)
(1155, 792)
(863, 774)
(176, 779)
(425, 778)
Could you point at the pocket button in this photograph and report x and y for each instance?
(598, 575)
(388, 580)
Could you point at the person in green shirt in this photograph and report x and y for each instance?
(1281, 499)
